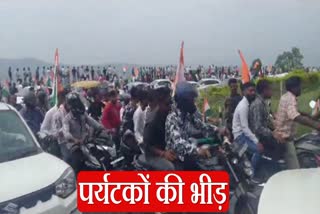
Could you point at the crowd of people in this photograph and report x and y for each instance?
(165, 126)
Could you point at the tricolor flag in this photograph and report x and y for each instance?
(57, 86)
(245, 73)
(206, 108)
(180, 71)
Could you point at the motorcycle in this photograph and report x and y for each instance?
(308, 146)
(100, 152)
(49, 144)
(244, 192)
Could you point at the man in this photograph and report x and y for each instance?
(240, 124)
(74, 73)
(75, 129)
(261, 121)
(127, 117)
(154, 134)
(139, 116)
(48, 122)
(183, 125)
(152, 104)
(86, 71)
(30, 112)
(287, 118)
(13, 102)
(95, 109)
(231, 103)
(92, 73)
(111, 113)
(111, 117)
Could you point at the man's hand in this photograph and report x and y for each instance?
(169, 155)
(278, 137)
(204, 152)
(260, 147)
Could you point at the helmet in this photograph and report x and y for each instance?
(75, 104)
(185, 95)
(185, 90)
(29, 97)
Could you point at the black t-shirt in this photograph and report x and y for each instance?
(154, 133)
(95, 110)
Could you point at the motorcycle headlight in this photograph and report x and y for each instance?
(234, 161)
(247, 164)
(248, 171)
(66, 184)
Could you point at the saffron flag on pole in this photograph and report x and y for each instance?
(206, 107)
(245, 73)
(180, 71)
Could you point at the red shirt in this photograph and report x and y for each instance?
(111, 116)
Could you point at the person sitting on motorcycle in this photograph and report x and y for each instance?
(287, 118)
(240, 124)
(154, 133)
(30, 112)
(48, 123)
(261, 121)
(139, 116)
(75, 129)
(127, 117)
(183, 124)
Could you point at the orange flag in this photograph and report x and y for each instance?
(245, 73)
(180, 71)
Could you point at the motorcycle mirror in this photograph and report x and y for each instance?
(312, 104)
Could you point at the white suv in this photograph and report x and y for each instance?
(31, 180)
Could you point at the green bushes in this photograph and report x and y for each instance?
(310, 85)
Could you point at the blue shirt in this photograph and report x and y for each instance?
(33, 117)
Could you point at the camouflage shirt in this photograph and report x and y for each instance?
(260, 120)
(180, 128)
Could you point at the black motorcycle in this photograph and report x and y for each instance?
(244, 192)
(49, 144)
(308, 150)
(99, 152)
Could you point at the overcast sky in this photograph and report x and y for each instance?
(150, 31)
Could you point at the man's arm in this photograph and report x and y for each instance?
(175, 141)
(66, 129)
(137, 121)
(256, 121)
(307, 122)
(245, 126)
(93, 123)
(105, 120)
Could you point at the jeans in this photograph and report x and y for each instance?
(252, 148)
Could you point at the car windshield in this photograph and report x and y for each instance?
(164, 83)
(210, 82)
(15, 140)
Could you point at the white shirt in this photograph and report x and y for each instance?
(47, 124)
(240, 124)
(139, 120)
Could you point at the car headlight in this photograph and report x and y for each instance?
(66, 184)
